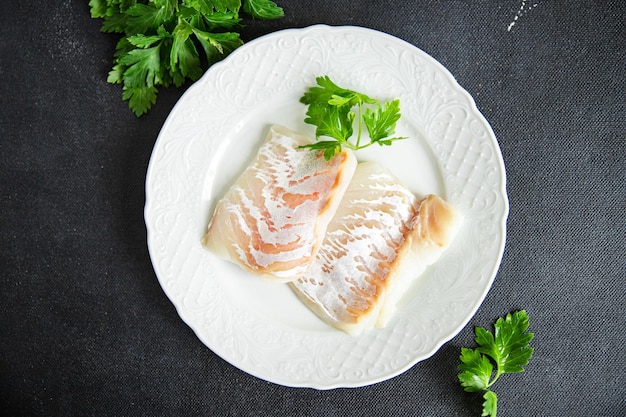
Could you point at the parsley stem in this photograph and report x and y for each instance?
(358, 137)
(495, 378)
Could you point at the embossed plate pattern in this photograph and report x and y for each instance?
(214, 130)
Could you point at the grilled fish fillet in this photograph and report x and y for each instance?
(272, 221)
(380, 240)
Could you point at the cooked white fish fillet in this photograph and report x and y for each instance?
(380, 240)
(272, 220)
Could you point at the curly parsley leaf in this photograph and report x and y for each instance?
(508, 349)
(477, 370)
(217, 45)
(262, 9)
(143, 67)
(140, 99)
(166, 42)
(330, 94)
(142, 18)
(184, 56)
(331, 121)
(331, 110)
(224, 5)
(330, 148)
(490, 405)
(98, 8)
(381, 122)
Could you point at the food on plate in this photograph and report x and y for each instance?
(380, 240)
(273, 218)
(334, 111)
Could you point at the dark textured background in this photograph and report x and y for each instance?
(87, 330)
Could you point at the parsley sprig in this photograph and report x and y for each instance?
(508, 349)
(166, 42)
(331, 110)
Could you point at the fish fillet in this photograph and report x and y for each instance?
(273, 219)
(381, 239)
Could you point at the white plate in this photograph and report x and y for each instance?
(216, 128)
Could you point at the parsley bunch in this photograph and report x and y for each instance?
(331, 111)
(162, 39)
(508, 350)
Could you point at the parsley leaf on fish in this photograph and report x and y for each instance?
(331, 109)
